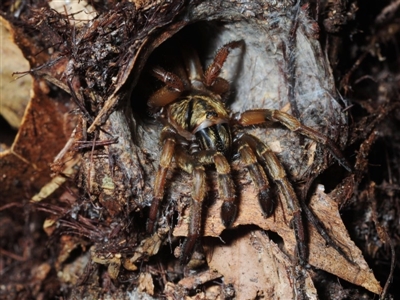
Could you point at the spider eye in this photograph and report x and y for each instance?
(211, 114)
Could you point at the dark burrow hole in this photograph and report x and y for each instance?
(7, 134)
(203, 37)
(168, 56)
(330, 178)
(378, 162)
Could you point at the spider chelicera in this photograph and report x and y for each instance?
(199, 130)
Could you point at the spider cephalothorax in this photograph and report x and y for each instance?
(199, 130)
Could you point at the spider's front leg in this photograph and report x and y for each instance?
(168, 139)
(226, 188)
(162, 97)
(194, 165)
(211, 79)
(277, 173)
(259, 116)
(257, 174)
(170, 150)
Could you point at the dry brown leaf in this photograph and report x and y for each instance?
(149, 246)
(81, 12)
(15, 94)
(72, 272)
(192, 282)
(321, 255)
(257, 267)
(210, 292)
(40, 272)
(146, 283)
(111, 260)
(45, 125)
(48, 189)
(45, 128)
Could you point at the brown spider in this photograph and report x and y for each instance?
(199, 130)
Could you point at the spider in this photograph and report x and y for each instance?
(199, 130)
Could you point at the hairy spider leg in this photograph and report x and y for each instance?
(173, 88)
(226, 189)
(257, 174)
(259, 116)
(169, 141)
(277, 173)
(197, 171)
(195, 167)
(211, 79)
(215, 67)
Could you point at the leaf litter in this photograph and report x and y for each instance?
(321, 256)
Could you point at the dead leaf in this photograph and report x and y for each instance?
(40, 272)
(192, 282)
(45, 128)
(146, 283)
(320, 255)
(15, 93)
(111, 260)
(73, 272)
(257, 267)
(48, 189)
(149, 246)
